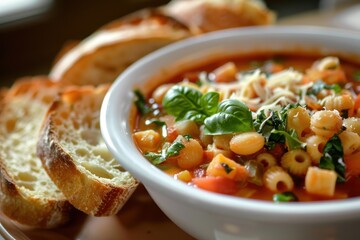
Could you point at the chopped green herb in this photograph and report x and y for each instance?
(319, 85)
(187, 137)
(169, 150)
(285, 197)
(333, 157)
(227, 168)
(140, 102)
(232, 116)
(273, 127)
(292, 139)
(158, 123)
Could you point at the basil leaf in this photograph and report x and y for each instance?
(209, 102)
(180, 98)
(140, 102)
(333, 157)
(169, 150)
(292, 140)
(186, 103)
(232, 116)
(285, 197)
(320, 85)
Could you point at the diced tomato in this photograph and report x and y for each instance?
(277, 151)
(171, 134)
(352, 163)
(357, 103)
(208, 155)
(216, 184)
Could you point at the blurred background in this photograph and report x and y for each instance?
(32, 32)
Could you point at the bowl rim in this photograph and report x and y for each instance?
(121, 146)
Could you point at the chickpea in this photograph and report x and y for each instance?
(222, 141)
(187, 127)
(247, 143)
(205, 139)
(160, 92)
(147, 140)
(190, 156)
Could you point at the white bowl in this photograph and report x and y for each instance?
(207, 215)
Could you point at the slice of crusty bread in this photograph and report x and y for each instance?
(75, 156)
(27, 193)
(202, 16)
(101, 57)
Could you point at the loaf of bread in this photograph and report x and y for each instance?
(101, 57)
(76, 158)
(27, 194)
(202, 16)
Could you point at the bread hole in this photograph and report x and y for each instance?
(103, 153)
(10, 125)
(57, 122)
(15, 142)
(92, 137)
(87, 121)
(47, 98)
(27, 185)
(74, 142)
(81, 152)
(75, 124)
(97, 170)
(60, 134)
(64, 115)
(26, 177)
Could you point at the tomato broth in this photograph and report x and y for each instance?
(278, 127)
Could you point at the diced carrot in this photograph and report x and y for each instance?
(208, 155)
(216, 184)
(352, 163)
(357, 103)
(312, 104)
(222, 166)
(171, 134)
(277, 151)
(275, 67)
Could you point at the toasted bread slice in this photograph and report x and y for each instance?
(104, 55)
(27, 194)
(76, 157)
(202, 16)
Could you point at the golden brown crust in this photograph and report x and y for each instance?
(83, 191)
(211, 15)
(15, 203)
(31, 211)
(104, 55)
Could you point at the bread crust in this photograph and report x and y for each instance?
(83, 191)
(101, 57)
(29, 211)
(202, 16)
(15, 203)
